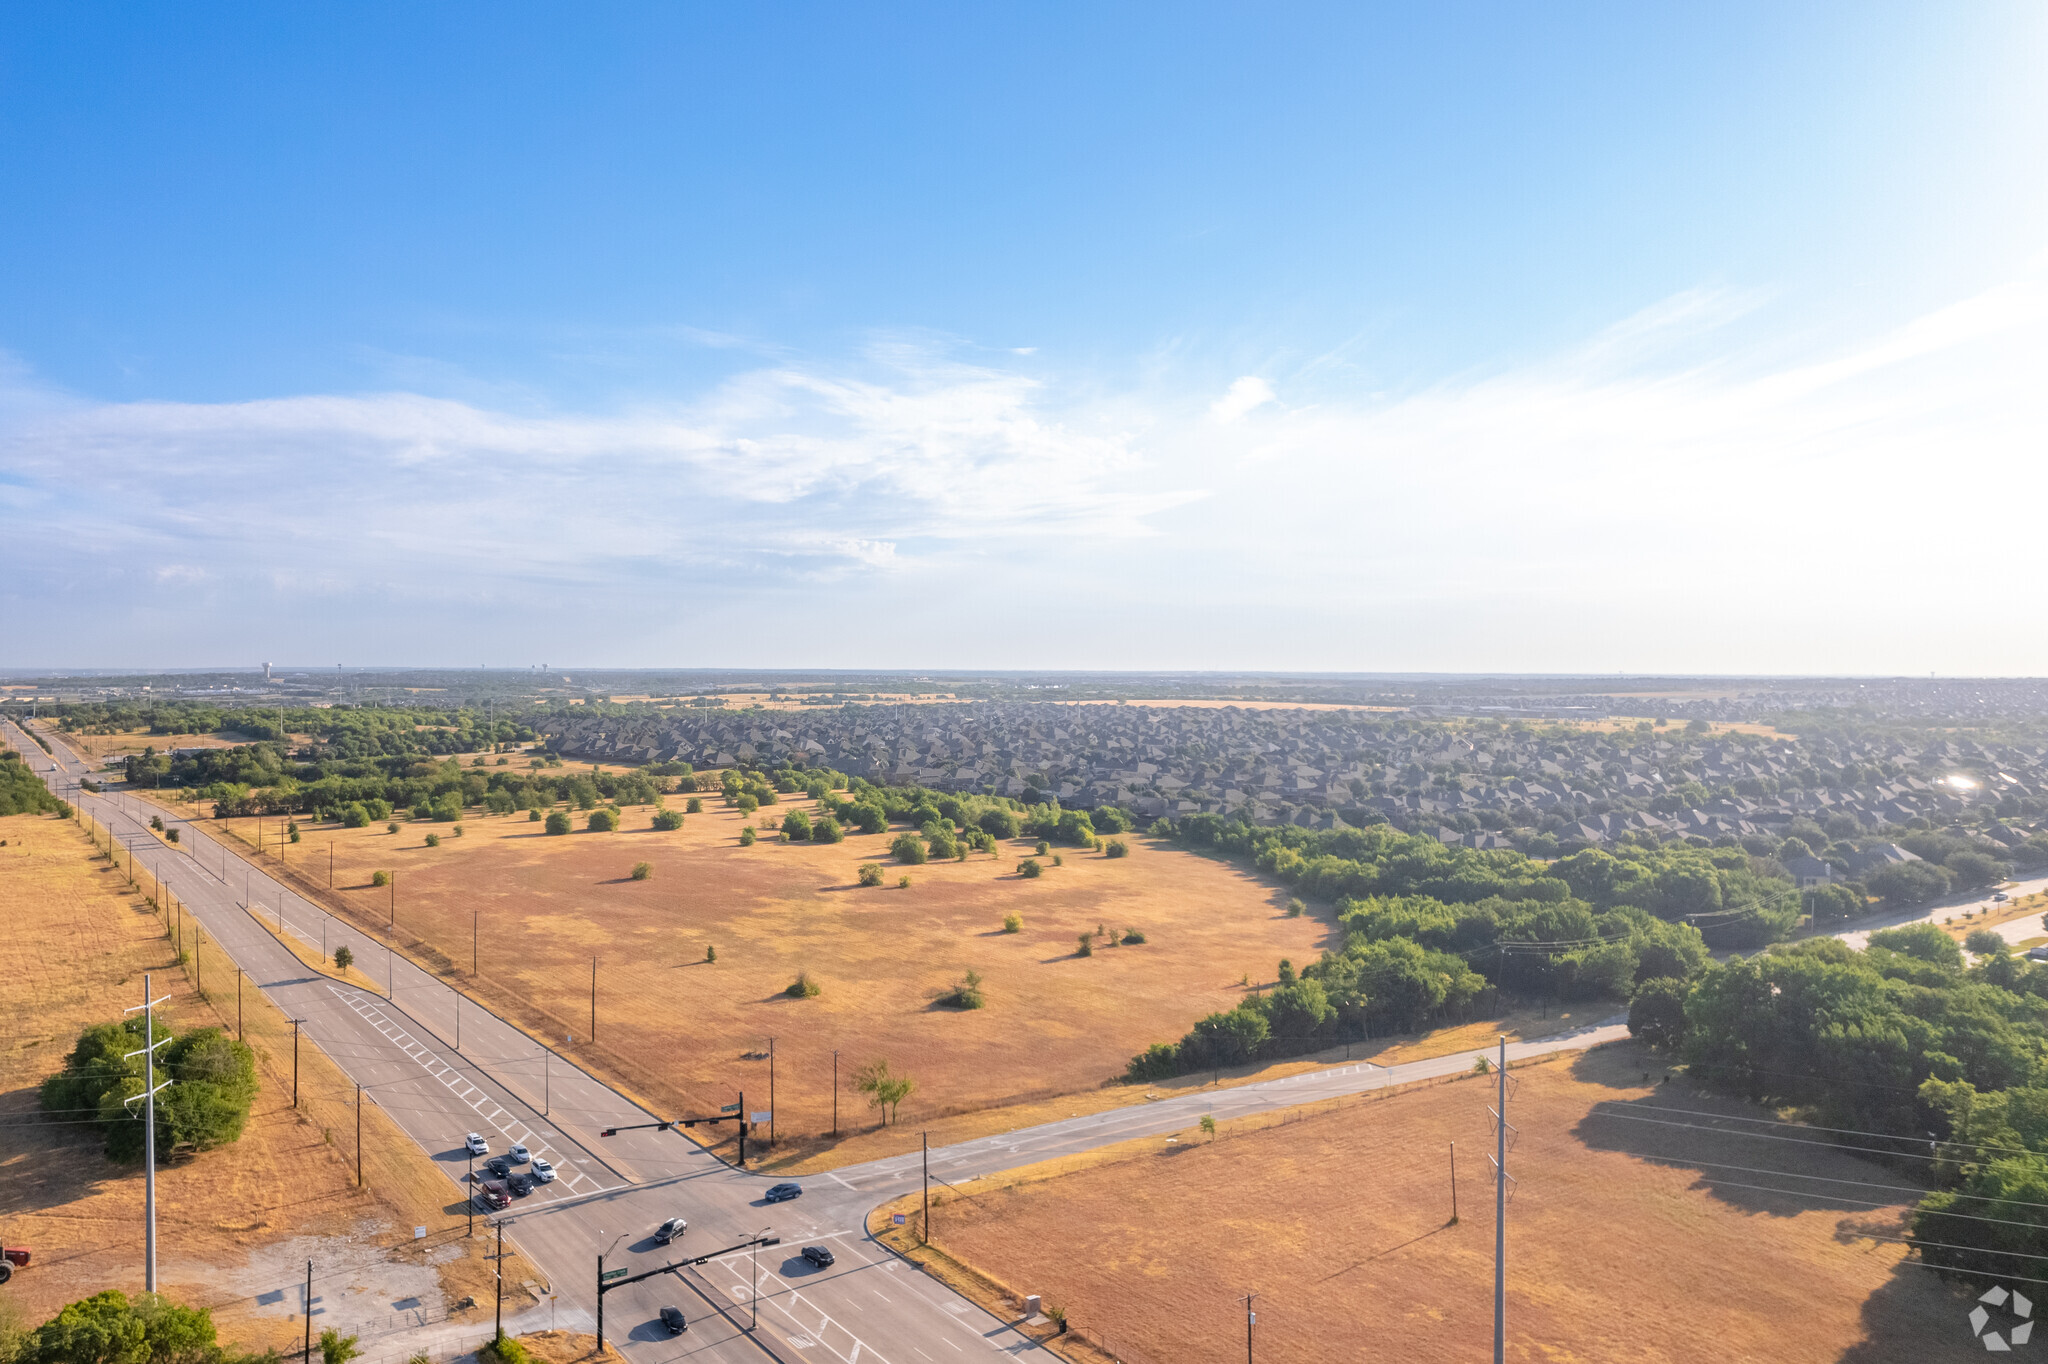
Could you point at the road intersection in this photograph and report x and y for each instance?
(402, 1046)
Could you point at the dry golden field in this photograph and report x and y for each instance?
(543, 907)
(1622, 1246)
(77, 943)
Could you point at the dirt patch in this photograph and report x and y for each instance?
(236, 1225)
(1623, 1243)
(680, 1027)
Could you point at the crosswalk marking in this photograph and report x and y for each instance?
(574, 1181)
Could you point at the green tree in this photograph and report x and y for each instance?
(797, 825)
(604, 821)
(1656, 1015)
(909, 849)
(826, 830)
(642, 870)
(666, 820)
(870, 874)
(558, 822)
(343, 957)
(885, 1089)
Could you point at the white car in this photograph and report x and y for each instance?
(543, 1171)
(519, 1154)
(476, 1145)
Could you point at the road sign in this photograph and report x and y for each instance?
(900, 1219)
(419, 1233)
(730, 1108)
(762, 1117)
(611, 1274)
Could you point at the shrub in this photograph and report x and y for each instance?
(1161, 828)
(1286, 971)
(748, 837)
(336, 1348)
(1043, 848)
(558, 822)
(1481, 1066)
(796, 825)
(746, 804)
(1087, 948)
(295, 838)
(1116, 847)
(966, 995)
(1295, 908)
(380, 878)
(171, 835)
(1029, 869)
(870, 818)
(1013, 923)
(433, 840)
(1000, 823)
(456, 831)
(604, 821)
(343, 957)
(903, 883)
(1132, 935)
(827, 830)
(695, 805)
(506, 1350)
(1058, 860)
(870, 873)
(642, 870)
(909, 849)
(666, 820)
(711, 954)
(391, 826)
(1984, 940)
(1110, 820)
(803, 987)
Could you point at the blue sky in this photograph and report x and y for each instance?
(1345, 337)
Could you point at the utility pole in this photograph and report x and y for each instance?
(499, 1266)
(1454, 1184)
(593, 999)
(295, 1061)
(148, 1098)
(835, 1092)
(927, 1137)
(307, 1358)
(469, 1186)
(1251, 1319)
(743, 1125)
(771, 1093)
(359, 1136)
(394, 905)
(474, 914)
(238, 1003)
(1500, 1214)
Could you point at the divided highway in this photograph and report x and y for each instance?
(441, 1065)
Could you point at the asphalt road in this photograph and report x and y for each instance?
(402, 1046)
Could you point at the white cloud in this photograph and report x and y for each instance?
(1244, 395)
(1659, 497)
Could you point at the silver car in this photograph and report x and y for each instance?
(670, 1230)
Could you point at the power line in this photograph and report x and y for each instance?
(1847, 1131)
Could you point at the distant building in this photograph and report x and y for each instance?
(1809, 872)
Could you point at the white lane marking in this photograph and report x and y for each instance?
(507, 1126)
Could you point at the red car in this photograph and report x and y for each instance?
(492, 1193)
(10, 1257)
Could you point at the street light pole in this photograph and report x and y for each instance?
(470, 1203)
(835, 1093)
(295, 1061)
(1250, 1319)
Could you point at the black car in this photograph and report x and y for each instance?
(672, 1317)
(498, 1166)
(521, 1184)
(782, 1193)
(670, 1230)
(821, 1256)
